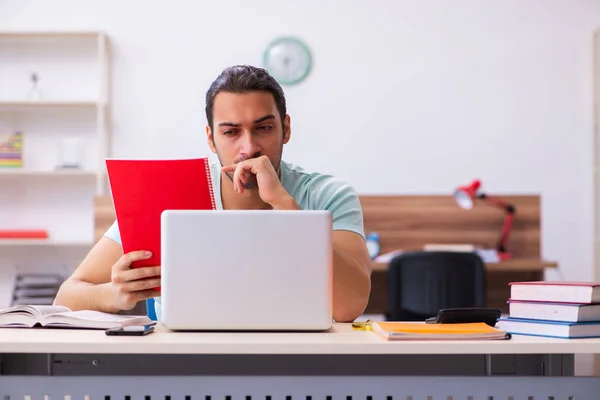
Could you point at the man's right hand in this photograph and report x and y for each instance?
(131, 285)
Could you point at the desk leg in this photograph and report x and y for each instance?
(559, 365)
(529, 365)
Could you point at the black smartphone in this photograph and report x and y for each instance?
(138, 330)
(464, 315)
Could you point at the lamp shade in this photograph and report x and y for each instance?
(465, 195)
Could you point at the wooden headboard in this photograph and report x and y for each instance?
(410, 222)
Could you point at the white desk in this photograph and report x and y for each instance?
(338, 363)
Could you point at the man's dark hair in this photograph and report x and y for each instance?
(244, 79)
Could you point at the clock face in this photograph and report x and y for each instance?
(288, 60)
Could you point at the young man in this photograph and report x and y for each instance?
(247, 129)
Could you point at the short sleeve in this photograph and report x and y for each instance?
(339, 198)
(113, 233)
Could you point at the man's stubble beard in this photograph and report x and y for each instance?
(252, 183)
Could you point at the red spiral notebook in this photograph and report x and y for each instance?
(143, 189)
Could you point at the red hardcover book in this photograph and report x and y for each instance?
(143, 189)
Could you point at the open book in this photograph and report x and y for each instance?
(62, 317)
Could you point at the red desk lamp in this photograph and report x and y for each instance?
(465, 197)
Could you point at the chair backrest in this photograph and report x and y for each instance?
(422, 283)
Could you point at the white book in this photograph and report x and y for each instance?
(456, 247)
(556, 329)
(29, 316)
(556, 291)
(567, 312)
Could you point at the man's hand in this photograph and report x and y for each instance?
(259, 172)
(131, 285)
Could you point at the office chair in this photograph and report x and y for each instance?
(421, 283)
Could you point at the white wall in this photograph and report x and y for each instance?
(405, 96)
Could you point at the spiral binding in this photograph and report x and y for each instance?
(210, 183)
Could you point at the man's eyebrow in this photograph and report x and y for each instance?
(258, 121)
(229, 124)
(262, 119)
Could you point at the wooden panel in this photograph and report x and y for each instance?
(378, 297)
(410, 222)
(516, 264)
(497, 289)
(104, 215)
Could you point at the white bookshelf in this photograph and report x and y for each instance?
(50, 34)
(60, 173)
(24, 104)
(42, 243)
(74, 79)
(8, 172)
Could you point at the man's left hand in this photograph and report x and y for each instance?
(270, 189)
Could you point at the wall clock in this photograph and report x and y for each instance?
(288, 60)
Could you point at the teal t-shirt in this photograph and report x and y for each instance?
(311, 190)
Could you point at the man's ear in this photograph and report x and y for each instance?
(287, 129)
(210, 139)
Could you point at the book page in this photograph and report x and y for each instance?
(37, 311)
(28, 315)
(91, 315)
(47, 310)
(93, 319)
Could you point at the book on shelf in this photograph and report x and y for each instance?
(453, 247)
(487, 255)
(552, 311)
(556, 291)
(48, 316)
(11, 151)
(24, 234)
(142, 189)
(549, 328)
(391, 330)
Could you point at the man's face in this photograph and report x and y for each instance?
(247, 126)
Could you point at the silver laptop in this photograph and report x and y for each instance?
(246, 270)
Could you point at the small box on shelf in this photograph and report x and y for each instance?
(70, 154)
(11, 151)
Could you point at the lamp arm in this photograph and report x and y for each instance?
(508, 219)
